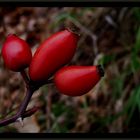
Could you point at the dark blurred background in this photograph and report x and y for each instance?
(110, 37)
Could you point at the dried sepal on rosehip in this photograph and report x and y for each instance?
(16, 53)
(52, 54)
(77, 80)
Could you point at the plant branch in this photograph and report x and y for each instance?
(14, 118)
(22, 113)
(21, 110)
(30, 112)
(26, 100)
(25, 77)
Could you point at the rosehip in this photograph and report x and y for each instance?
(16, 53)
(77, 80)
(52, 54)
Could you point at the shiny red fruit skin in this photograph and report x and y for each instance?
(76, 80)
(52, 54)
(16, 53)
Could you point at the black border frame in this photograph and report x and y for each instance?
(70, 136)
(69, 3)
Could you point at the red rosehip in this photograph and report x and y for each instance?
(16, 53)
(77, 80)
(52, 54)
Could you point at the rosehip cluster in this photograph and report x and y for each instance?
(49, 60)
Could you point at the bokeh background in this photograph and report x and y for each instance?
(110, 37)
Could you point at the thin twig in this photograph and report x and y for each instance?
(88, 32)
(22, 113)
(14, 118)
(26, 100)
(30, 112)
(21, 110)
(25, 77)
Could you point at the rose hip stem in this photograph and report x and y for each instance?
(21, 110)
(22, 113)
(25, 77)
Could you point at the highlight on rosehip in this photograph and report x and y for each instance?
(69, 69)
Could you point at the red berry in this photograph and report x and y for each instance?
(52, 54)
(16, 53)
(77, 80)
